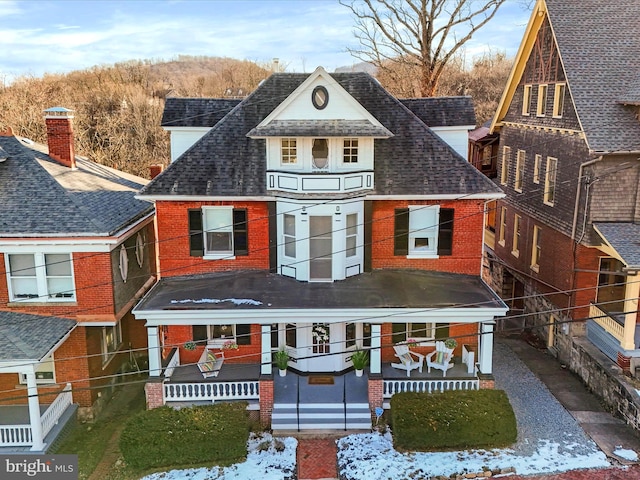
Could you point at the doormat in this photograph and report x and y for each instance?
(320, 380)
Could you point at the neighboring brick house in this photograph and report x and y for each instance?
(77, 250)
(319, 216)
(566, 255)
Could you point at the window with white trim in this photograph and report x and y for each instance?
(45, 372)
(520, 159)
(289, 235)
(40, 277)
(550, 181)
(541, 110)
(350, 150)
(419, 332)
(526, 100)
(515, 250)
(423, 231)
(219, 232)
(506, 160)
(352, 234)
(111, 341)
(288, 151)
(536, 168)
(558, 99)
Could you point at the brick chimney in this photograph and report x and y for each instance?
(155, 170)
(60, 135)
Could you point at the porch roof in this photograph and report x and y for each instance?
(623, 238)
(242, 290)
(30, 337)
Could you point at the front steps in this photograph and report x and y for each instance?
(321, 416)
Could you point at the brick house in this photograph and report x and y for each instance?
(319, 216)
(565, 255)
(77, 250)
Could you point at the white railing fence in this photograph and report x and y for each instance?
(51, 416)
(173, 363)
(469, 359)
(15, 436)
(607, 322)
(188, 392)
(391, 387)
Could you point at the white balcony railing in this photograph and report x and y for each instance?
(607, 322)
(391, 387)
(320, 182)
(15, 436)
(214, 391)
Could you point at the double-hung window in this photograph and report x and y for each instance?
(517, 226)
(351, 234)
(45, 372)
(550, 181)
(111, 341)
(526, 100)
(506, 160)
(536, 168)
(288, 151)
(350, 150)
(420, 332)
(424, 231)
(40, 277)
(218, 232)
(289, 235)
(520, 159)
(541, 110)
(535, 249)
(558, 100)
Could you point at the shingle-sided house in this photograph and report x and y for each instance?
(319, 216)
(566, 252)
(77, 250)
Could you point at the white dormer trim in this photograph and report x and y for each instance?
(321, 77)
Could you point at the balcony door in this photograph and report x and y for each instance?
(320, 248)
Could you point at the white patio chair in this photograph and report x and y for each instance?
(408, 360)
(440, 358)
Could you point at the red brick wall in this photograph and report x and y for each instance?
(173, 239)
(467, 238)
(266, 401)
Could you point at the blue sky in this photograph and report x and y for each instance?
(54, 36)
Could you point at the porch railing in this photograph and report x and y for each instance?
(607, 321)
(190, 392)
(51, 416)
(469, 358)
(391, 387)
(174, 361)
(15, 436)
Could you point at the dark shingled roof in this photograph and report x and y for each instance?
(599, 45)
(263, 290)
(632, 96)
(316, 128)
(415, 161)
(442, 111)
(196, 112)
(30, 337)
(624, 238)
(40, 197)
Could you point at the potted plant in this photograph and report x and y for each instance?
(359, 358)
(190, 345)
(450, 343)
(281, 359)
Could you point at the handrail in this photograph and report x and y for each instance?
(174, 361)
(52, 414)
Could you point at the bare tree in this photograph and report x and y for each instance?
(423, 33)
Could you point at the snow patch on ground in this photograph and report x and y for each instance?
(626, 454)
(268, 458)
(366, 456)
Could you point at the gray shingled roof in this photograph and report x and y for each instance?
(317, 128)
(415, 161)
(196, 112)
(263, 290)
(442, 111)
(40, 197)
(632, 96)
(600, 48)
(30, 337)
(623, 237)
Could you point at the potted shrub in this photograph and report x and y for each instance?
(281, 359)
(359, 358)
(450, 343)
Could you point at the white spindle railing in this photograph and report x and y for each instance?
(51, 416)
(15, 436)
(173, 363)
(392, 387)
(189, 392)
(607, 322)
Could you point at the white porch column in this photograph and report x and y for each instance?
(34, 413)
(265, 361)
(486, 348)
(375, 355)
(155, 357)
(631, 292)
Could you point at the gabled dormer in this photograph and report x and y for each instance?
(320, 139)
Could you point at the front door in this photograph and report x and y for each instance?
(323, 347)
(320, 248)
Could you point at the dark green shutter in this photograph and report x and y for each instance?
(240, 232)
(401, 232)
(196, 236)
(399, 332)
(445, 232)
(243, 334)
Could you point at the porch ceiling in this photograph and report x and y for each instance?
(257, 290)
(30, 337)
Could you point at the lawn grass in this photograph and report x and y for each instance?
(452, 420)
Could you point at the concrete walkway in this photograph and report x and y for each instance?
(607, 431)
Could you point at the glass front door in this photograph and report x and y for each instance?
(320, 248)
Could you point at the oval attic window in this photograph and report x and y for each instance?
(320, 97)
